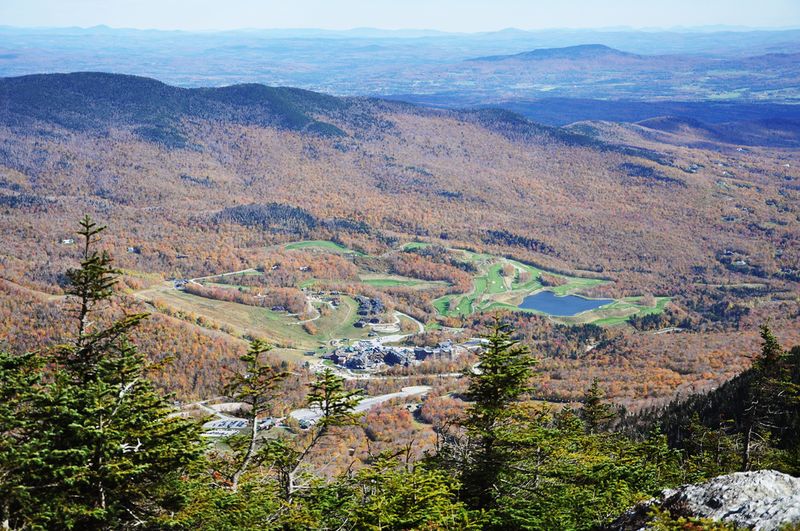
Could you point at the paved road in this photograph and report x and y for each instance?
(314, 414)
(420, 326)
(365, 405)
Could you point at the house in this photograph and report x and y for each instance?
(366, 355)
(267, 423)
(218, 434)
(476, 342)
(422, 353)
(446, 347)
(368, 306)
(307, 423)
(396, 357)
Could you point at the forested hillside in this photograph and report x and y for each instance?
(200, 182)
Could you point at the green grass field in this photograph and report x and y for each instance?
(415, 245)
(495, 281)
(321, 244)
(618, 312)
(442, 304)
(391, 281)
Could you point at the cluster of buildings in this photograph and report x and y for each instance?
(368, 309)
(370, 355)
(368, 306)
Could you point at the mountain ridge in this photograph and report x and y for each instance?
(85, 100)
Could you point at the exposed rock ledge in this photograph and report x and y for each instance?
(763, 500)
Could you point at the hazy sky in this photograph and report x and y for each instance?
(448, 15)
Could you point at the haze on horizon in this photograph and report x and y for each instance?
(442, 15)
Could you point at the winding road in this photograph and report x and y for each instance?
(312, 415)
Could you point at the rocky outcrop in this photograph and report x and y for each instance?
(763, 500)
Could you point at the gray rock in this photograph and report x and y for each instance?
(763, 500)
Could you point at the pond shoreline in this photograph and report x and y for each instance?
(549, 303)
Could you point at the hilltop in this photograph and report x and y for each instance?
(571, 53)
(92, 101)
(766, 500)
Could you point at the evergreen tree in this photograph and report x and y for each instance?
(501, 377)
(596, 413)
(105, 440)
(388, 494)
(21, 393)
(336, 407)
(257, 387)
(562, 477)
(711, 451)
(336, 404)
(791, 422)
(766, 399)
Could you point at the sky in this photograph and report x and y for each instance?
(445, 15)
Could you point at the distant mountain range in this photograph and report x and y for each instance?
(768, 132)
(563, 111)
(551, 77)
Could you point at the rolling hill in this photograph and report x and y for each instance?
(771, 132)
(92, 101)
(592, 52)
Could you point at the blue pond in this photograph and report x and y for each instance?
(547, 302)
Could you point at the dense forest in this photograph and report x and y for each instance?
(87, 441)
